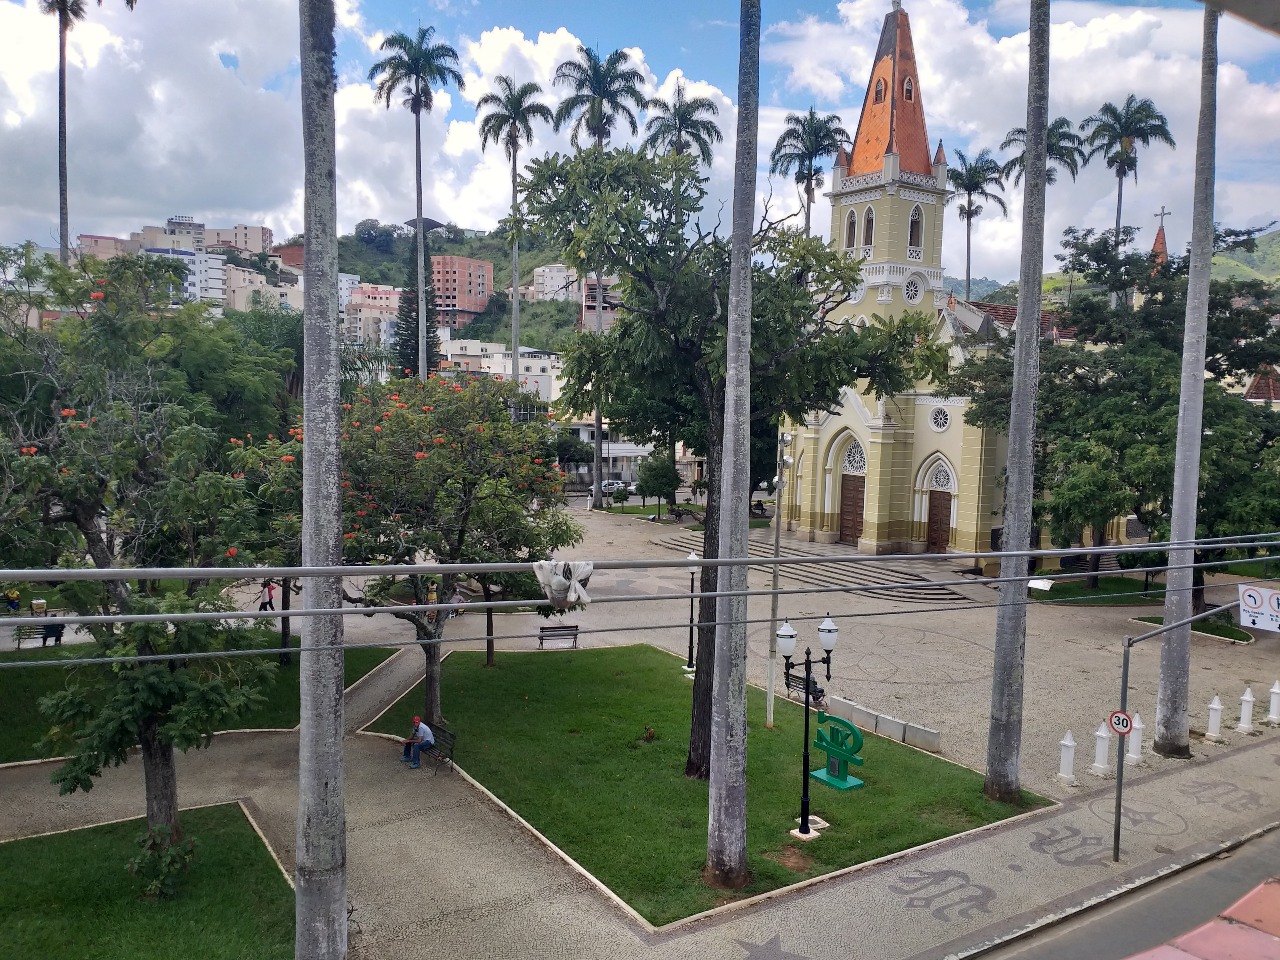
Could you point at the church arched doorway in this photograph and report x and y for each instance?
(853, 492)
(936, 504)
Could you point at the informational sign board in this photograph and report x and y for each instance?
(1260, 608)
(1120, 722)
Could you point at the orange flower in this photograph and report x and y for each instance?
(231, 551)
(439, 440)
(287, 458)
(419, 455)
(96, 295)
(377, 429)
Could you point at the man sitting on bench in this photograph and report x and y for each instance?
(422, 739)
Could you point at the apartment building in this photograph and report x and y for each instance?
(100, 247)
(206, 273)
(370, 313)
(243, 285)
(462, 288)
(555, 281)
(255, 239)
(610, 306)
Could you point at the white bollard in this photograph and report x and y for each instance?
(1274, 716)
(1214, 732)
(1133, 756)
(1246, 712)
(1100, 747)
(1067, 763)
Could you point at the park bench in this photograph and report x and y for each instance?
(441, 752)
(561, 631)
(795, 684)
(26, 631)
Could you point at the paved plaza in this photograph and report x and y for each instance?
(492, 890)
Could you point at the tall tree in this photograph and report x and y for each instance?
(1115, 134)
(807, 140)
(320, 927)
(683, 125)
(510, 122)
(976, 178)
(1004, 736)
(409, 338)
(1175, 652)
(1065, 149)
(69, 13)
(414, 66)
(727, 794)
(600, 91)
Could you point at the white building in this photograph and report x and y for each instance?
(206, 273)
(555, 281)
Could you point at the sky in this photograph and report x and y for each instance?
(192, 107)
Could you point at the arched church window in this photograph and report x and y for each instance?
(941, 479)
(908, 89)
(912, 290)
(851, 230)
(879, 91)
(869, 228)
(915, 232)
(855, 460)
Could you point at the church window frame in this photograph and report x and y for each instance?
(851, 231)
(939, 419)
(880, 91)
(915, 229)
(913, 290)
(908, 90)
(854, 461)
(869, 227)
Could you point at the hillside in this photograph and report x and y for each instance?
(980, 286)
(1262, 264)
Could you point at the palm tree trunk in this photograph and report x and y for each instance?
(597, 496)
(1004, 736)
(808, 204)
(1119, 206)
(422, 252)
(321, 873)
(64, 217)
(1175, 652)
(968, 256)
(515, 279)
(727, 796)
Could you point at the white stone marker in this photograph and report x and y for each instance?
(1214, 733)
(1274, 716)
(1133, 756)
(1101, 746)
(1067, 763)
(1246, 712)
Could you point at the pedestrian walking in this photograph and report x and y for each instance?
(267, 600)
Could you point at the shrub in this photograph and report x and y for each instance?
(162, 862)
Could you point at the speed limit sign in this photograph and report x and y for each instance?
(1120, 722)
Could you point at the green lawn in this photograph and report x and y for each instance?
(1077, 593)
(69, 897)
(560, 738)
(21, 724)
(1220, 626)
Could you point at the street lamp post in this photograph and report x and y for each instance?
(779, 482)
(828, 634)
(694, 567)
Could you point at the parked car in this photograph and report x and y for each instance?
(633, 489)
(609, 487)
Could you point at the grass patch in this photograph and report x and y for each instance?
(22, 725)
(1077, 592)
(1217, 626)
(583, 774)
(68, 896)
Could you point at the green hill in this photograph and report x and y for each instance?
(1262, 264)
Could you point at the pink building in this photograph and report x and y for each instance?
(462, 288)
(610, 307)
(102, 247)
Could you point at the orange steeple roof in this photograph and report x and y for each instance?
(893, 112)
(1160, 249)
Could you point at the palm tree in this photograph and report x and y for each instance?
(727, 786)
(975, 178)
(321, 862)
(1115, 133)
(69, 13)
(600, 92)
(1175, 653)
(806, 141)
(1066, 149)
(511, 122)
(415, 65)
(1004, 734)
(683, 124)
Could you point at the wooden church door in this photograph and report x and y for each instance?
(939, 534)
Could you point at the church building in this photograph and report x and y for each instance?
(905, 474)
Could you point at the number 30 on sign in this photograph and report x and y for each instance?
(1120, 722)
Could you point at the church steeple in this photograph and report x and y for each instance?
(892, 119)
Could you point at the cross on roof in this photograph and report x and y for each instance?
(1162, 214)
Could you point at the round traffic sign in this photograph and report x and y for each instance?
(1120, 722)
(1251, 598)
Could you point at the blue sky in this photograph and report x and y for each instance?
(191, 106)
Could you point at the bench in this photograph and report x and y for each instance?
(442, 750)
(25, 631)
(795, 684)
(563, 631)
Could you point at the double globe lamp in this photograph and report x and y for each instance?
(828, 634)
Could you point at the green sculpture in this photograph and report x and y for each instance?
(841, 746)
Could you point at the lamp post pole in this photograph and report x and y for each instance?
(693, 572)
(780, 481)
(828, 634)
(804, 771)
